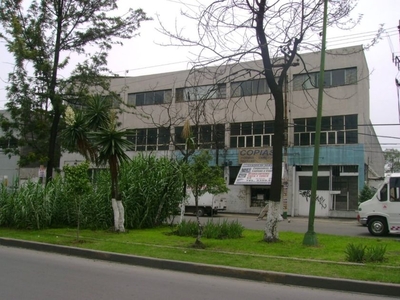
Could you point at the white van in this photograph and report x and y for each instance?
(382, 212)
(208, 204)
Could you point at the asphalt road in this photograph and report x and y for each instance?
(32, 275)
(346, 227)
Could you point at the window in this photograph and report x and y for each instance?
(332, 78)
(204, 92)
(384, 193)
(334, 130)
(113, 99)
(394, 189)
(150, 139)
(8, 142)
(259, 196)
(205, 136)
(322, 183)
(150, 98)
(251, 134)
(249, 88)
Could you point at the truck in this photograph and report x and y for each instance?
(209, 204)
(381, 213)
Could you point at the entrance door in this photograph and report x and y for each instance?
(323, 199)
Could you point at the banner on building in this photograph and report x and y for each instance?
(254, 174)
(255, 155)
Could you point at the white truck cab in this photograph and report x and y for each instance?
(381, 213)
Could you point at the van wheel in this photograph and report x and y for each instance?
(377, 226)
(200, 212)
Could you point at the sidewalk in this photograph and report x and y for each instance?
(354, 286)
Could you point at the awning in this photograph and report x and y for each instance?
(254, 174)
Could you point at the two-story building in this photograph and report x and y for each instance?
(231, 112)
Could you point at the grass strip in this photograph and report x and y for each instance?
(288, 255)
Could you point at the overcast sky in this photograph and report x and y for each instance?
(142, 55)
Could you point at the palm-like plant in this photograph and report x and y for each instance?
(112, 144)
(95, 135)
(95, 115)
(97, 112)
(75, 137)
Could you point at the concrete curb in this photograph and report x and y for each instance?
(367, 287)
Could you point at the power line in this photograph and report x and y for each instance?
(154, 66)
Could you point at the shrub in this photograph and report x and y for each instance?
(211, 230)
(375, 254)
(360, 253)
(186, 228)
(355, 253)
(224, 230)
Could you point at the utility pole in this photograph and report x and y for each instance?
(396, 61)
(310, 238)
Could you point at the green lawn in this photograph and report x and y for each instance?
(288, 255)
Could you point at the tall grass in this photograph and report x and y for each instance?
(151, 190)
(211, 230)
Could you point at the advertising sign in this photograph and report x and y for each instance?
(254, 174)
(255, 155)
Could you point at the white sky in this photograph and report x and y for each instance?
(142, 55)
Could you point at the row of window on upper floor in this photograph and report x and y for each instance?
(332, 78)
(335, 130)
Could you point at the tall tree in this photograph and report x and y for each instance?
(232, 32)
(42, 39)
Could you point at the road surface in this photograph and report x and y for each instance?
(31, 275)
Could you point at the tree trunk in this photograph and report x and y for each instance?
(271, 233)
(199, 226)
(119, 215)
(52, 145)
(182, 214)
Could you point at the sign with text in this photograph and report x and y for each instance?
(254, 174)
(255, 155)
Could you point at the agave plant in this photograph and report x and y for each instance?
(112, 145)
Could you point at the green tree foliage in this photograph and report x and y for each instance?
(202, 178)
(392, 159)
(365, 194)
(42, 37)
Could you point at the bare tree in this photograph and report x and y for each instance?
(233, 32)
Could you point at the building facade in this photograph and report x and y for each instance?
(231, 111)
